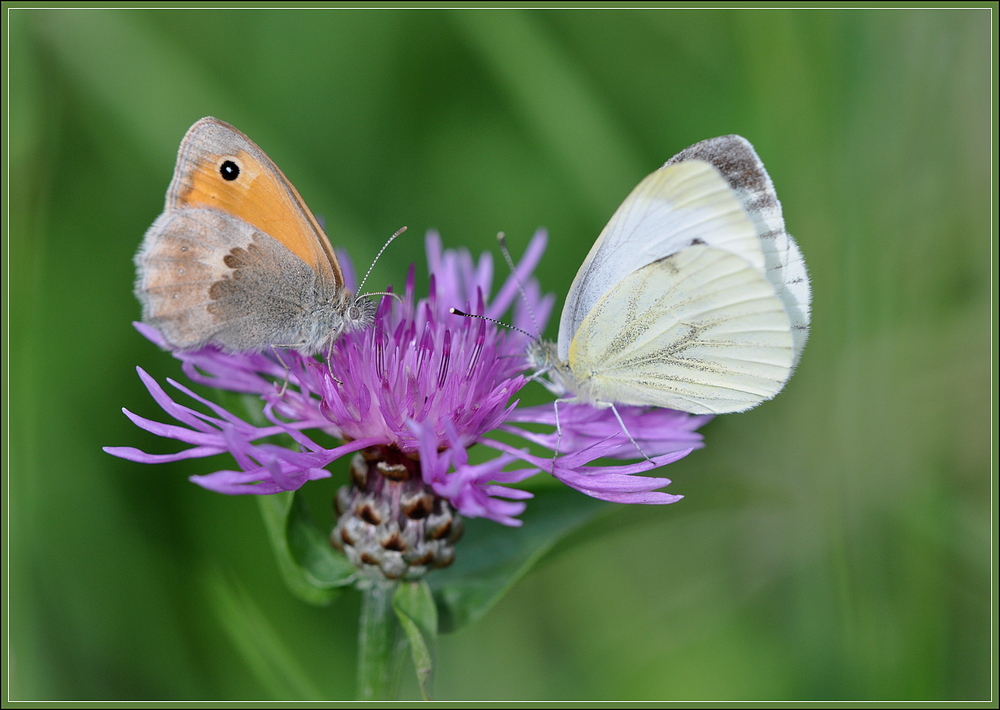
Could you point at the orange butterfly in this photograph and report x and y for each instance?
(237, 259)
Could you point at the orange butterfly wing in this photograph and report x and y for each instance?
(259, 192)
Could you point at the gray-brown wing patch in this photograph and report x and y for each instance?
(205, 276)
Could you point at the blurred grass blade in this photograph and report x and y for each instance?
(153, 87)
(415, 609)
(554, 98)
(273, 665)
(491, 557)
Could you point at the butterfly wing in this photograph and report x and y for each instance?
(206, 276)
(678, 205)
(736, 159)
(701, 330)
(260, 194)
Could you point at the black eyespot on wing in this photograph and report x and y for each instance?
(229, 170)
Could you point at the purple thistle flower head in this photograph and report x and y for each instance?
(421, 385)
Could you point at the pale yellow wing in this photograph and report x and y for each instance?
(701, 330)
(673, 208)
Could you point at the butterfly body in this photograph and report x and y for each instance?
(693, 298)
(237, 259)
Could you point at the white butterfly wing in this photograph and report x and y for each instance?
(701, 330)
(678, 205)
(735, 158)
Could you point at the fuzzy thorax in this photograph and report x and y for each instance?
(559, 379)
(340, 313)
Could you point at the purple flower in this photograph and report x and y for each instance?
(427, 385)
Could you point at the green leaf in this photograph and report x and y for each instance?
(277, 512)
(311, 568)
(310, 549)
(414, 606)
(491, 557)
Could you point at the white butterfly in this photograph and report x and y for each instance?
(694, 297)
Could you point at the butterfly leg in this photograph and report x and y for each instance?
(625, 429)
(329, 353)
(555, 408)
(555, 452)
(329, 364)
(542, 377)
(288, 371)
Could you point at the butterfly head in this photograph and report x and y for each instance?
(541, 355)
(341, 313)
(359, 312)
(549, 370)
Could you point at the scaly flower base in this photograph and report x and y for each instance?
(390, 524)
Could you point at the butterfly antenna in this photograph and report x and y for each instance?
(502, 241)
(375, 260)
(457, 312)
(382, 293)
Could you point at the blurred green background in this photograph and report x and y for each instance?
(833, 544)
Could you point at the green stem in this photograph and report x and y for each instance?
(380, 644)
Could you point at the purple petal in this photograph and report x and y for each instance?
(133, 454)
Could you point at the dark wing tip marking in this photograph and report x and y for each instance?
(735, 158)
